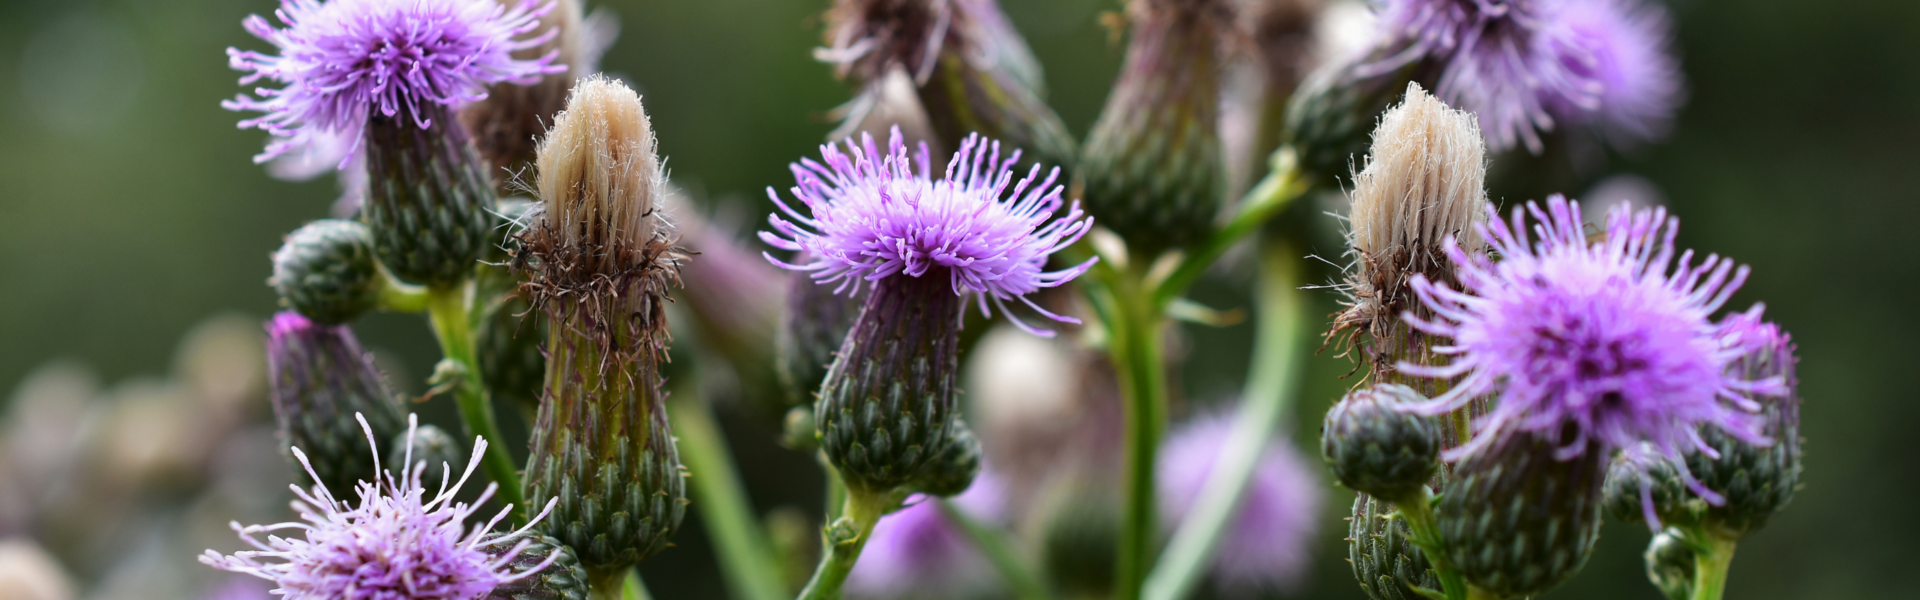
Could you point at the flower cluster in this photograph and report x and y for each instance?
(1608, 337)
(342, 60)
(872, 215)
(396, 543)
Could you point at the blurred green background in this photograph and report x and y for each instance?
(131, 211)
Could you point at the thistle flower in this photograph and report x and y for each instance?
(1624, 47)
(344, 60)
(1152, 165)
(887, 407)
(1607, 341)
(1267, 543)
(320, 378)
(396, 542)
(600, 265)
(918, 552)
(873, 216)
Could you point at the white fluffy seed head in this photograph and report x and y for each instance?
(1424, 181)
(600, 179)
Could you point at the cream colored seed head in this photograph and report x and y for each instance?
(600, 181)
(1424, 180)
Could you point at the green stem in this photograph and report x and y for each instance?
(1712, 556)
(635, 589)
(1136, 349)
(1418, 511)
(400, 296)
(844, 540)
(746, 556)
(1475, 593)
(1276, 363)
(1274, 193)
(609, 584)
(448, 310)
(1025, 583)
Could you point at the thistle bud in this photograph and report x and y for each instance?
(319, 378)
(1152, 168)
(954, 469)
(1670, 565)
(1516, 521)
(1377, 449)
(1422, 185)
(1381, 549)
(816, 322)
(1328, 117)
(326, 271)
(428, 196)
(430, 446)
(1755, 481)
(601, 263)
(972, 71)
(563, 579)
(1643, 487)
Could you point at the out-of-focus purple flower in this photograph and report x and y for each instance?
(1607, 340)
(239, 588)
(343, 59)
(1267, 544)
(871, 216)
(918, 553)
(1624, 46)
(1497, 59)
(396, 544)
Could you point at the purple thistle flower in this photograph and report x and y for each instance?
(1500, 59)
(1607, 338)
(871, 216)
(397, 544)
(1623, 45)
(917, 552)
(1268, 543)
(343, 59)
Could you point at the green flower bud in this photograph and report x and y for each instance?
(954, 469)
(985, 80)
(887, 406)
(506, 336)
(1672, 502)
(1151, 166)
(1376, 448)
(428, 197)
(1385, 561)
(1755, 481)
(1670, 566)
(1516, 522)
(562, 580)
(431, 446)
(1332, 112)
(326, 271)
(320, 378)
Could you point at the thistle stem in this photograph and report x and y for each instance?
(1137, 345)
(746, 556)
(608, 584)
(1712, 556)
(1270, 390)
(635, 589)
(1025, 584)
(845, 538)
(448, 310)
(1418, 511)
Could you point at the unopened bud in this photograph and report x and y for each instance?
(320, 378)
(1755, 481)
(506, 124)
(1385, 561)
(1376, 448)
(1516, 521)
(1152, 168)
(1642, 480)
(326, 271)
(1670, 566)
(429, 445)
(564, 579)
